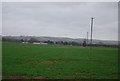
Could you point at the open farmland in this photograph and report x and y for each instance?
(59, 61)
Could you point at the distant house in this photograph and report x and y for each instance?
(39, 43)
(43, 43)
(25, 42)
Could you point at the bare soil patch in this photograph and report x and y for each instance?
(54, 61)
(48, 61)
(21, 77)
(36, 55)
(82, 72)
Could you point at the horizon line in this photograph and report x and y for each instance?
(64, 37)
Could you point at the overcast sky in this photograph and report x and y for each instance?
(60, 19)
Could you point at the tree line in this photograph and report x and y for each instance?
(72, 43)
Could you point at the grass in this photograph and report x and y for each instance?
(59, 62)
(0, 59)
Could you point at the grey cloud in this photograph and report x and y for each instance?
(60, 19)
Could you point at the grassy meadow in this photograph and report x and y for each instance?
(59, 61)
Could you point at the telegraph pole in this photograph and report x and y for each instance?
(87, 37)
(91, 30)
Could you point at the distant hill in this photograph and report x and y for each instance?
(80, 40)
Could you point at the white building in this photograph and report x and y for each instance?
(39, 43)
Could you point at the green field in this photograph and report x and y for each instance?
(59, 61)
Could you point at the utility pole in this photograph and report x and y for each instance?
(87, 37)
(91, 30)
